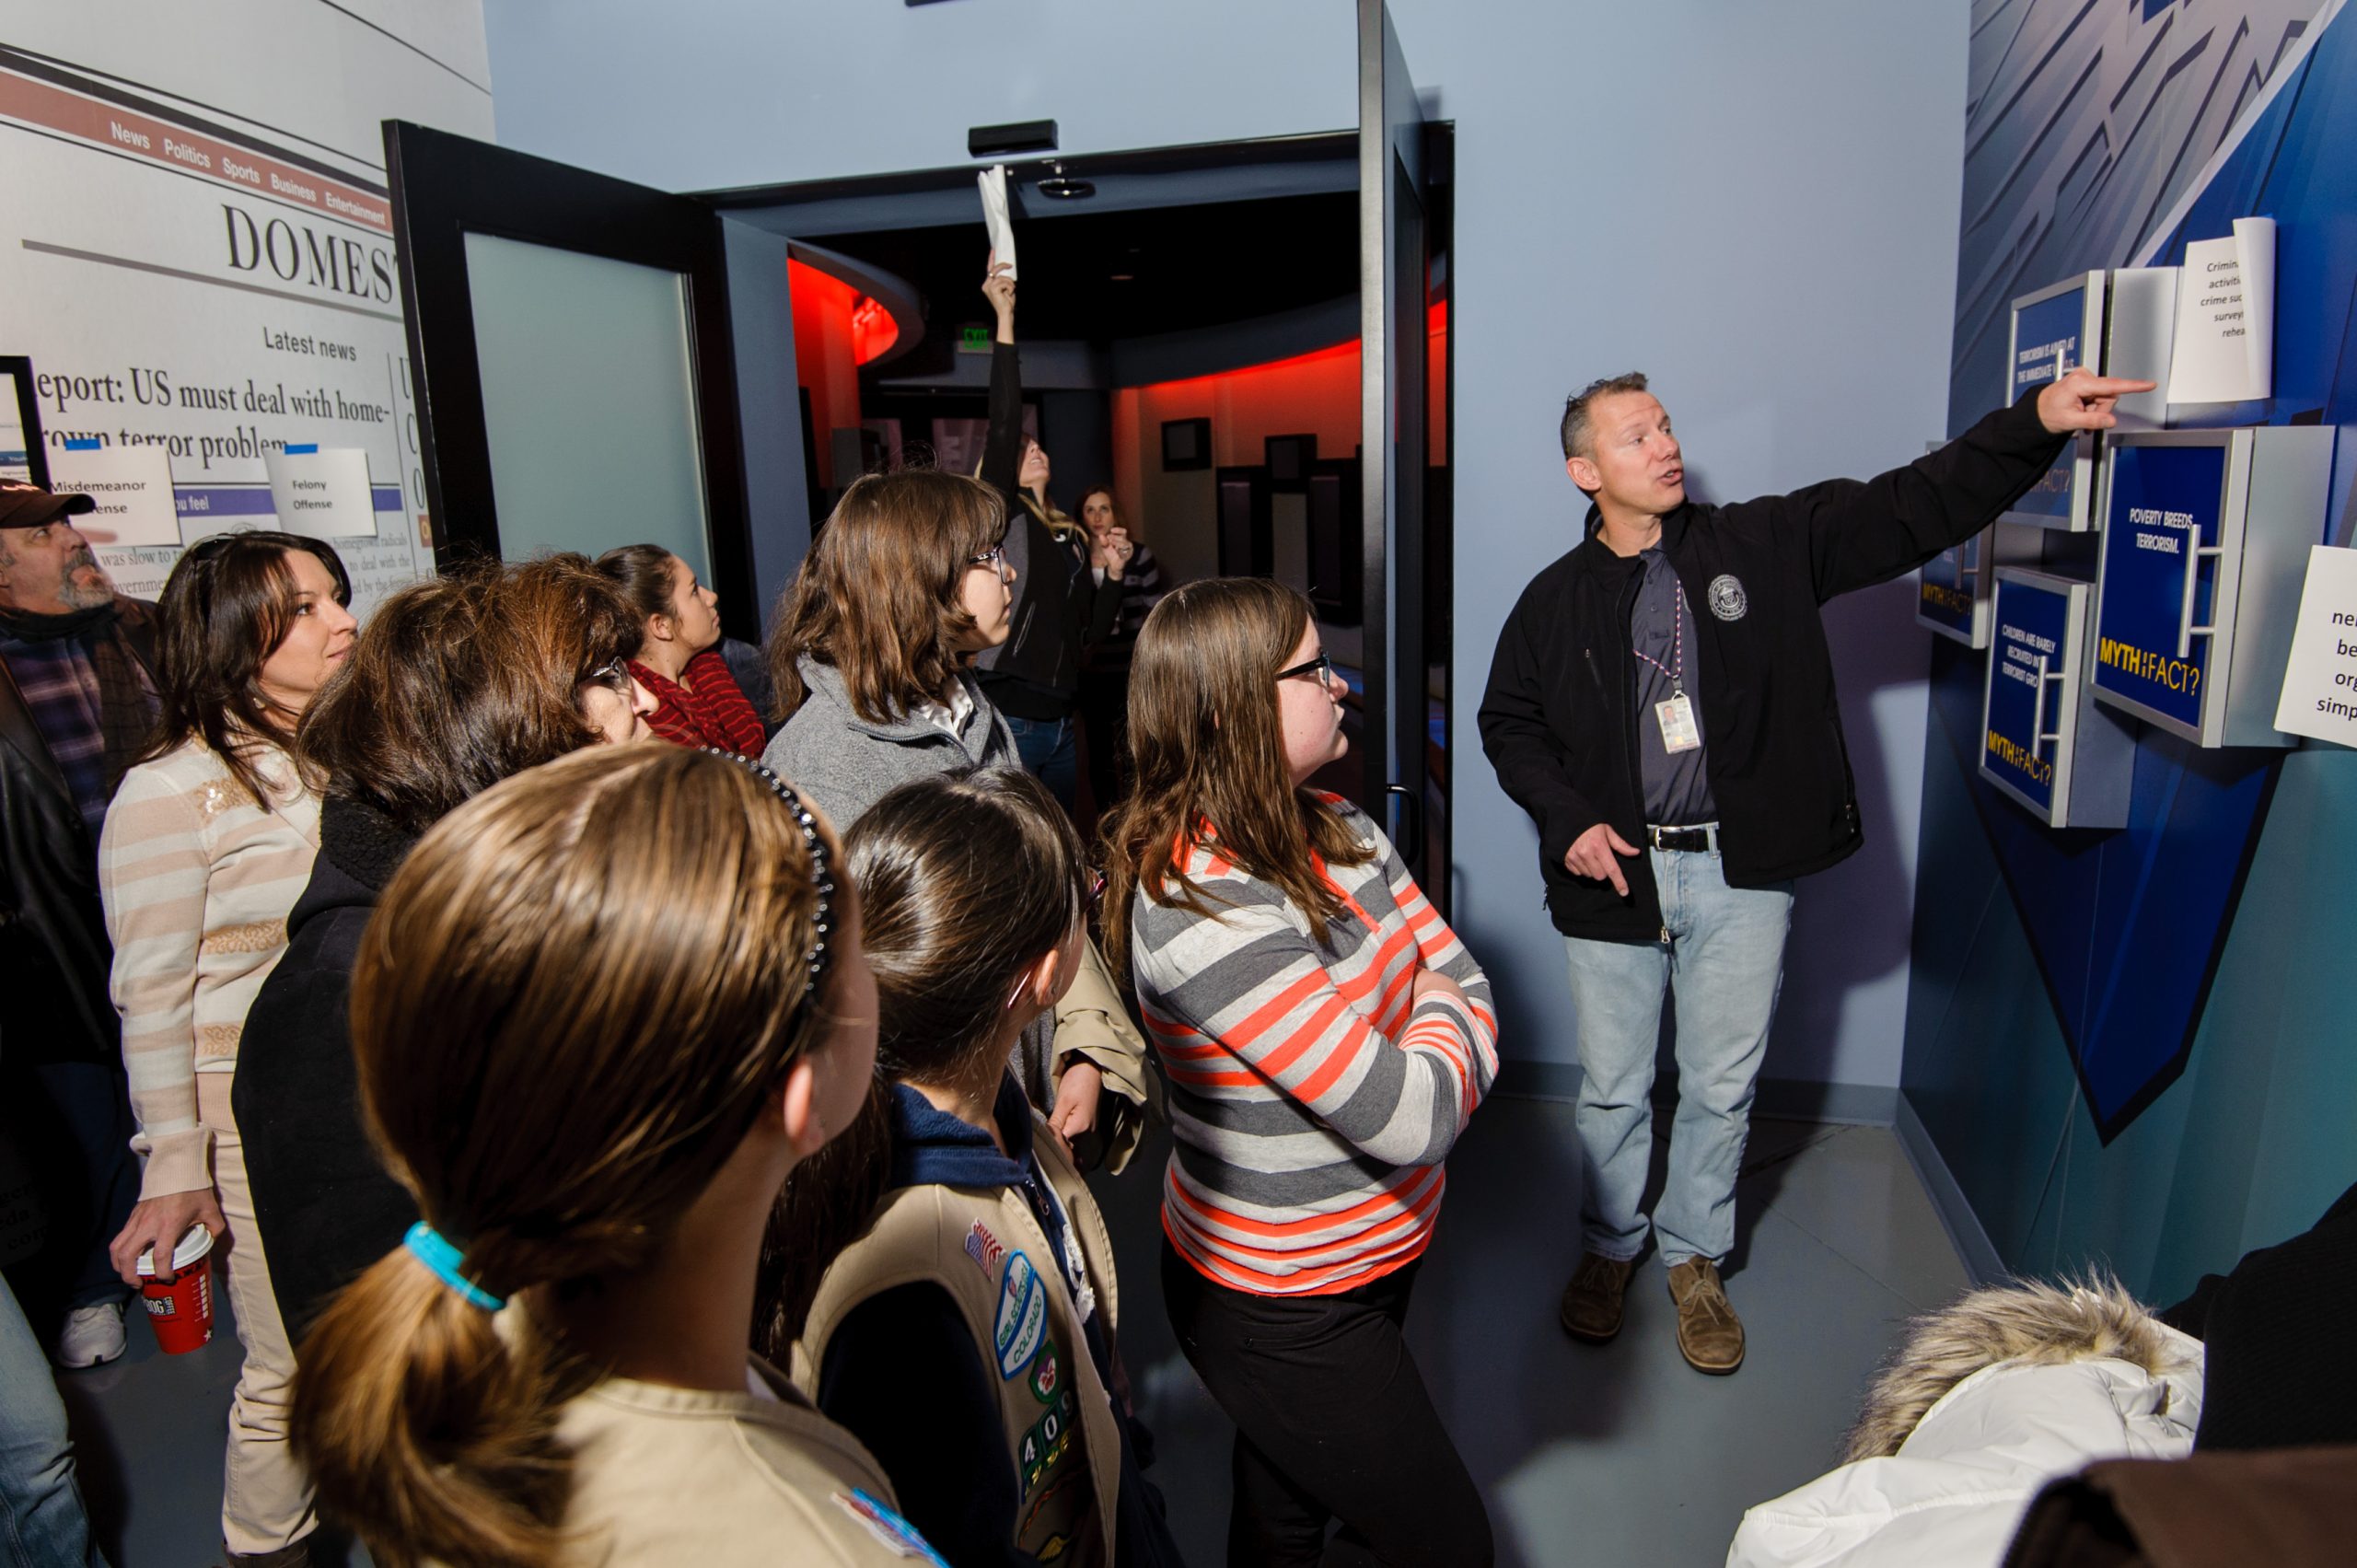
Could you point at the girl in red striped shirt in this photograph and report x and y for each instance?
(697, 702)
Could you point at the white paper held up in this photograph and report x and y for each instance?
(2226, 318)
(993, 183)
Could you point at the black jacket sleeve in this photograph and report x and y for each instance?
(1520, 742)
(1003, 447)
(1859, 533)
(901, 1374)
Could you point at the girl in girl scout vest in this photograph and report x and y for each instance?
(967, 1334)
(600, 1011)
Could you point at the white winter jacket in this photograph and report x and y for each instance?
(1953, 1494)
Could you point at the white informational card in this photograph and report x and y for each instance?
(993, 183)
(132, 486)
(322, 495)
(2321, 679)
(2226, 318)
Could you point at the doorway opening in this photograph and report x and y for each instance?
(1191, 337)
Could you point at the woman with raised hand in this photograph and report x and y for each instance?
(1071, 580)
(965, 1335)
(1327, 1038)
(599, 1014)
(872, 657)
(697, 700)
(453, 685)
(207, 844)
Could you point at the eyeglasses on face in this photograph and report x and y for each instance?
(994, 558)
(1322, 667)
(614, 675)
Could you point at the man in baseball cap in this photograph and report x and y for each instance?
(77, 702)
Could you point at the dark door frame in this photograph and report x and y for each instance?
(444, 187)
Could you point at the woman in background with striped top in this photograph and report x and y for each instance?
(1326, 1038)
(207, 845)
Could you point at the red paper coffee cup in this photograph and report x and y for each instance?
(180, 1312)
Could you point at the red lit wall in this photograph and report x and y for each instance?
(1314, 393)
(825, 360)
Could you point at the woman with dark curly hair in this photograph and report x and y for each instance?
(207, 843)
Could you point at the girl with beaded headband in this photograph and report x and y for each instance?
(553, 1369)
(941, 1279)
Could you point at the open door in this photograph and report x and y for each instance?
(1394, 309)
(573, 364)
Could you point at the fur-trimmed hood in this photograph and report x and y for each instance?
(1985, 1401)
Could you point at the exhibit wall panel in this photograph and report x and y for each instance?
(1787, 281)
(197, 251)
(2220, 920)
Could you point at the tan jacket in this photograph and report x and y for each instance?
(665, 1476)
(1093, 1024)
(988, 1251)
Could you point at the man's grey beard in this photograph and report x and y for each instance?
(80, 595)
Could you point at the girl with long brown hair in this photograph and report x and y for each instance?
(965, 1335)
(453, 685)
(601, 1012)
(208, 842)
(872, 660)
(1325, 1038)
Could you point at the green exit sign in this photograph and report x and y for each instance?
(973, 340)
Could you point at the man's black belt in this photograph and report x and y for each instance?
(1702, 836)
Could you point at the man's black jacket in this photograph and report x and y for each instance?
(1559, 720)
(53, 950)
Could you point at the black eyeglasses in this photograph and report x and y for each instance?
(1322, 667)
(994, 558)
(614, 675)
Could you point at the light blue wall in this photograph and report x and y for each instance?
(1757, 204)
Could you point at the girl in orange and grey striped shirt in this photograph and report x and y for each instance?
(1327, 1038)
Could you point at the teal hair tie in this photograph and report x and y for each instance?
(434, 1250)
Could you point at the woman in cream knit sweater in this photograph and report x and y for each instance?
(207, 845)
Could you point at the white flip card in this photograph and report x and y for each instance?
(1675, 717)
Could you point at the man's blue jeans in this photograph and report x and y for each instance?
(1724, 960)
(41, 1521)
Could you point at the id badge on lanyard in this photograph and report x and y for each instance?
(1678, 731)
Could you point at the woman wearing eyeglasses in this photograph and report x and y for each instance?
(1326, 1038)
(206, 845)
(453, 685)
(872, 659)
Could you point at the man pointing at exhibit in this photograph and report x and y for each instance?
(1662, 703)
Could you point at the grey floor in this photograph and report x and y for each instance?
(1617, 1455)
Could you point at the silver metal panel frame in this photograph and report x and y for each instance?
(2140, 331)
(2091, 335)
(2290, 486)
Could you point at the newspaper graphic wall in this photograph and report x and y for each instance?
(196, 253)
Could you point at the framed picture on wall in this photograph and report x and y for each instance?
(1186, 443)
(22, 454)
(1289, 458)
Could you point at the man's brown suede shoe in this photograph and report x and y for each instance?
(1708, 1333)
(1591, 1307)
